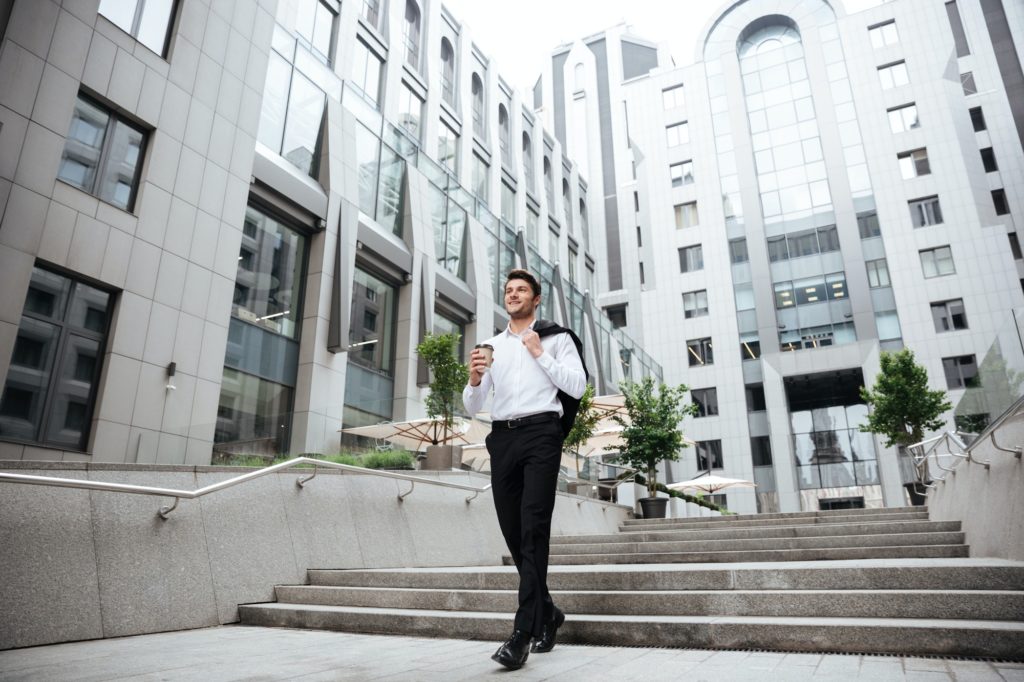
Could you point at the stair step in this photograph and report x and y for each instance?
(920, 551)
(762, 532)
(734, 518)
(949, 604)
(864, 574)
(723, 545)
(633, 525)
(901, 636)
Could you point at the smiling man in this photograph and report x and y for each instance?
(533, 361)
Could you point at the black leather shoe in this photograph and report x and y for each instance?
(513, 653)
(546, 641)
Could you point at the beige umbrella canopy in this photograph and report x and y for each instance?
(711, 484)
(417, 434)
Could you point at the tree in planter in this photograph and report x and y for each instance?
(651, 427)
(903, 409)
(584, 426)
(448, 376)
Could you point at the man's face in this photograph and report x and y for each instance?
(519, 299)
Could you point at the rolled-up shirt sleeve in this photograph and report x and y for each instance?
(564, 367)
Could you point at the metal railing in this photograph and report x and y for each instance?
(179, 495)
(927, 451)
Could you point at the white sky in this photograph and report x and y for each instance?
(520, 34)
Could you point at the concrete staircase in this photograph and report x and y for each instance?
(874, 581)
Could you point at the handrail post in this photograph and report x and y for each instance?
(301, 482)
(412, 485)
(164, 511)
(1016, 452)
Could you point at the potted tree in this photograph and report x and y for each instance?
(447, 378)
(902, 408)
(651, 433)
(582, 430)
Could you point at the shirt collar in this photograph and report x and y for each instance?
(508, 327)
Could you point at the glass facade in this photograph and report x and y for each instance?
(830, 449)
(369, 381)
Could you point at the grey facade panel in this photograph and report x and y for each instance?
(558, 85)
(611, 204)
(637, 60)
(1006, 58)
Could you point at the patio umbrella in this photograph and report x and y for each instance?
(417, 434)
(711, 484)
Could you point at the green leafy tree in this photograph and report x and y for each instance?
(903, 409)
(584, 426)
(651, 431)
(448, 376)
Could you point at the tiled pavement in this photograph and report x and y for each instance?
(254, 653)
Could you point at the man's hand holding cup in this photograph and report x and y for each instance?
(479, 362)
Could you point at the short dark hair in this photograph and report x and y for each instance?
(526, 276)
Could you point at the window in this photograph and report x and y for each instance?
(738, 250)
(147, 20)
(371, 12)
(681, 173)
(867, 223)
(567, 204)
(949, 315)
(709, 455)
(893, 75)
(678, 134)
(777, 249)
(914, 163)
(883, 34)
(292, 113)
(103, 154)
(56, 362)
(755, 398)
(366, 68)
(999, 202)
(616, 315)
(481, 178)
(695, 303)
(508, 203)
(957, 26)
(904, 118)
(828, 238)
(478, 106)
(784, 295)
(967, 83)
(504, 136)
(802, 243)
(926, 211)
(552, 245)
(700, 352)
(411, 34)
(448, 148)
(878, 273)
(686, 215)
(447, 72)
(961, 372)
(761, 451)
(744, 296)
(706, 400)
(528, 176)
(978, 119)
(937, 262)
(673, 98)
(988, 160)
(549, 184)
(410, 112)
(639, 236)
(691, 258)
(314, 22)
(750, 346)
(1014, 245)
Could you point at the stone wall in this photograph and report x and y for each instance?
(79, 564)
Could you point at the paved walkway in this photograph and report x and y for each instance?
(253, 653)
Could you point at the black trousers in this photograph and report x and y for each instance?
(524, 476)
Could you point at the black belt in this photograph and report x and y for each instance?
(525, 421)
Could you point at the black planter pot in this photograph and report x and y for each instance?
(653, 507)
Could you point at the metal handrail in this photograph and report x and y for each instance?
(179, 495)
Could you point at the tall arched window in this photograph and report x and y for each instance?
(584, 223)
(577, 78)
(549, 187)
(447, 72)
(412, 34)
(567, 203)
(504, 134)
(478, 106)
(528, 177)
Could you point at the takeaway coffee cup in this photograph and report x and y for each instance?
(488, 351)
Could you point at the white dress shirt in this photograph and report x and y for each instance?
(525, 385)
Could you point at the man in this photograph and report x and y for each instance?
(525, 446)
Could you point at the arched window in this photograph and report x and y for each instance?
(567, 203)
(447, 72)
(528, 162)
(549, 188)
(504, 134)
(577, 78)
(412, 34)
(478, 105)
(584, 224)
